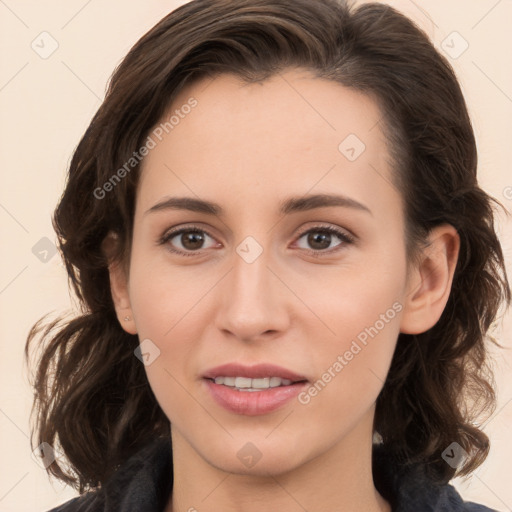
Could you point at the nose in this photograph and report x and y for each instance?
(253, 301)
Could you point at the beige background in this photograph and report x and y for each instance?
(46, 104)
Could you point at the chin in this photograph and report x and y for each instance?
(255, 456)
(272, 465)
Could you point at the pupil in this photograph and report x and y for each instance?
(192, 240)
(324, 240)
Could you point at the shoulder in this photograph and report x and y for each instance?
(454, 501)
(409, 488)
(475, 507)
(90, 502)
(144, 481)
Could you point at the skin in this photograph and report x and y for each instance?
(248, 148)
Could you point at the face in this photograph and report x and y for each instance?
(297, 271)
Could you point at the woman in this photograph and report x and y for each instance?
(287, 271)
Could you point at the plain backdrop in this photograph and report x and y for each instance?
(56, 59)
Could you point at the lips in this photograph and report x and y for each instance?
(253, 390)
(258, 371)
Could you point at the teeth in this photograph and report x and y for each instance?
(229, 381)
(261, 383)
(247, 384)
(243, 382)
(274, 382)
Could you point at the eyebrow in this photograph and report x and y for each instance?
(290, 205)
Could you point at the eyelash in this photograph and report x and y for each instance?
(345, 238)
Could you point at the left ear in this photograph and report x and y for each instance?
(118, 275)
(430, 281)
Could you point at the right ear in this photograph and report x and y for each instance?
(119, 284)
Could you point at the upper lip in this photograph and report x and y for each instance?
(253, 371)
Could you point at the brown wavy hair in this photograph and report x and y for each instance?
(92, 397)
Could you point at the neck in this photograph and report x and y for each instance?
(338, 479)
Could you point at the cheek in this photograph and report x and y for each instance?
(163, 297)
(167, 307)
(361, 312)
(351, 367)
(353, 300)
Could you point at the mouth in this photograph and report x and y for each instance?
(248, 384)
(253, 390)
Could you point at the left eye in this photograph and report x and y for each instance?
(320, 239)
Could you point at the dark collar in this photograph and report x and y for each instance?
(408, 488)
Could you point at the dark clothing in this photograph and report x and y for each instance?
(144, 484)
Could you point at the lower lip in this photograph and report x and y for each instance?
(253, 403)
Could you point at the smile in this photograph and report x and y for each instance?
(248, 384)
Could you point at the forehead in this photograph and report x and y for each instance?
(293, 105)
(291, 131)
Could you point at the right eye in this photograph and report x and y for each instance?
(189, 241)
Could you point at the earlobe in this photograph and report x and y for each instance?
(119, 286)
(430, 282)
